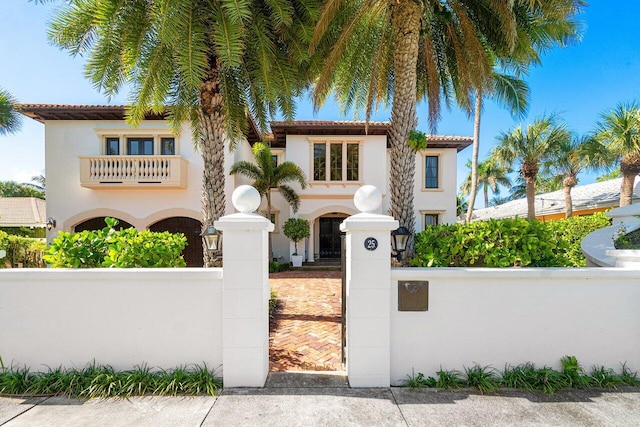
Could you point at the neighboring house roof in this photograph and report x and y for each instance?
(22, 212)
(598, 195)
(43, 112)
(280, 129)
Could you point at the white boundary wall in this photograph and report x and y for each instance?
(498, 316)
(118, 317)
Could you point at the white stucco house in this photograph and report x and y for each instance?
(149, 177)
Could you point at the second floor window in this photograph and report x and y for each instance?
(140, 146)
(336, 161)
(167, 146)
(431, 172)
(112, 146)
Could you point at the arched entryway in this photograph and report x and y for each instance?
(191, 228)
(324, 242)
(98, 223)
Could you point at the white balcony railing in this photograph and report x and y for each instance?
(133, 171)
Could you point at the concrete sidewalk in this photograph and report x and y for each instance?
(330, 403)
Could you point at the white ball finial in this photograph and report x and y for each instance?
(368, 199)
(246, 199)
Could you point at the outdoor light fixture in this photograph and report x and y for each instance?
(51, 223)
(213, 238)
(399, 239)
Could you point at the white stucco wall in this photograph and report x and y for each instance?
(121, 317)
(70, 204)
(441, 200)
(499, 316)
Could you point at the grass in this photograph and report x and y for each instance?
(99, 381)
(528, 377)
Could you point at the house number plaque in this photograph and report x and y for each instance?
(371, 243)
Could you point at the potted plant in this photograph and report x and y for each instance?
(296, 229)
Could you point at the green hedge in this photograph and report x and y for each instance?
(511, 242)
(21, 250)
(125, 248)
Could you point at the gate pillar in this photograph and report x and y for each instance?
(368, 284)
(245, 294)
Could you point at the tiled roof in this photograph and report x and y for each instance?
(357, 127)
(591, 196)
(44, 112)
(22, 212)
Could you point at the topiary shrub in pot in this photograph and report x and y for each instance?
(296, 229)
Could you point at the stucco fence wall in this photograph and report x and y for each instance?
(499, 316)
(119, 317)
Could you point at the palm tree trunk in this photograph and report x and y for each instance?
(212, 147)
(626, 189)
(474, 158)
(568, 202)
(531, 196)
(630, 168)
(568, 183)
(406, 23)
(486, 196)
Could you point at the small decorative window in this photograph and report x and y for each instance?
(140, 146)
(431, 172)
(112, 147)
(431, 219)
(167, 146)
(274, 157)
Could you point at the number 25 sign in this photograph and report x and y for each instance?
(371, 243)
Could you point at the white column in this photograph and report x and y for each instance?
(311, 242)
(245, 313)
(368, 274)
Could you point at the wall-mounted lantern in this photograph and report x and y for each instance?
(51, 223)
(213, 238)
(399, 240)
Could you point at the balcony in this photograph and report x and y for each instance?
(133, 172)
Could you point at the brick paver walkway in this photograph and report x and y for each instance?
(305, 332)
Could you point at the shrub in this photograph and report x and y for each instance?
(510, 242)
(24, 250)
(125, 248)
(296, 229)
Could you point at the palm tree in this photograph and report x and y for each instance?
(405, 51)
(267, 175)
(530, 148)
(569, 157)
(552, 26)
(512, 92)
(619, 133)
(10, 119)
(490, 175)
(197, 60)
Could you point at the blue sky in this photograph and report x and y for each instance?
(578, 82)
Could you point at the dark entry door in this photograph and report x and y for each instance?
(191, 229)
(330, 244)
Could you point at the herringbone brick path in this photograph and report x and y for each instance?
(305, 331)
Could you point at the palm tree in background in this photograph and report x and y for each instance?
(206, 62)
(10, 118)
(569, 157)
(618, 132)
(530, 147)
(491, 175)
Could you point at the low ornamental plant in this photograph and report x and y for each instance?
(21, 250)
(510, 242)
(124, 248)
(99, 381)
(528, 377)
